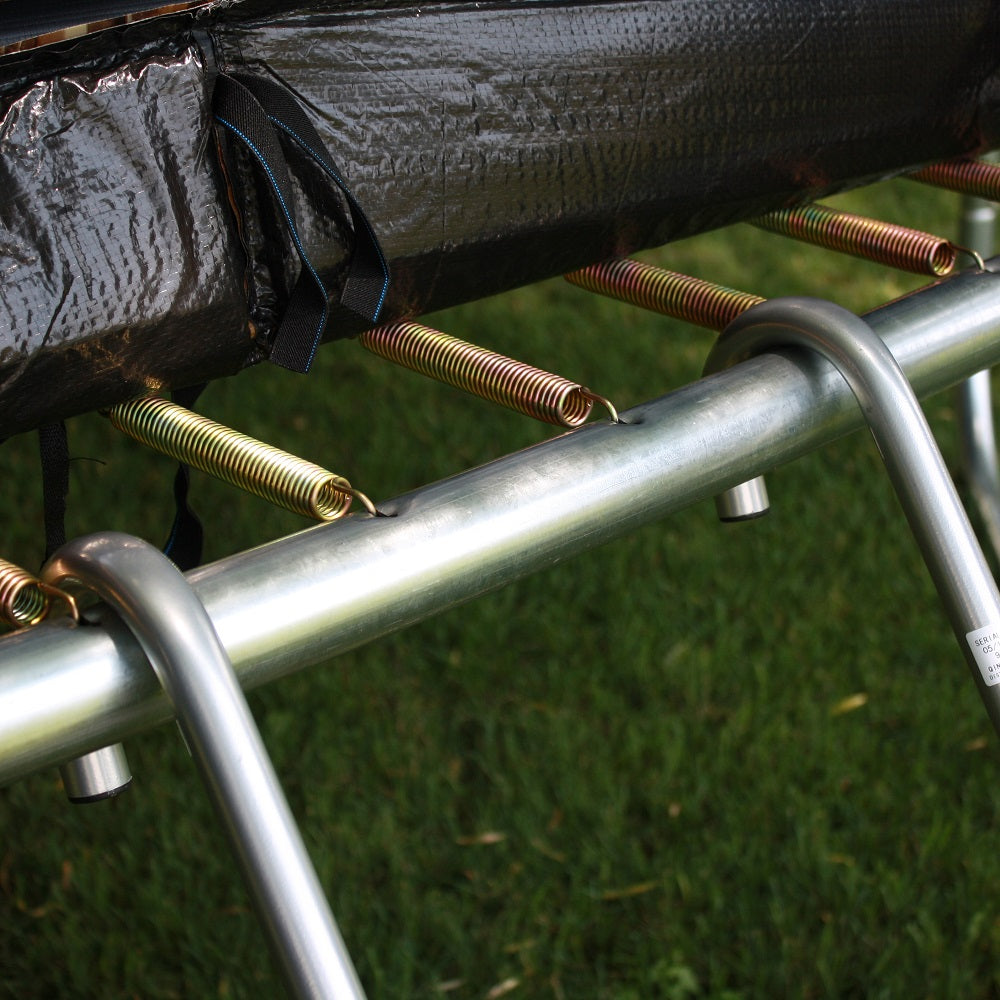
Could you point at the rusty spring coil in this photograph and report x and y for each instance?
(871, 239)
(973, 177)
(24, 599)
(518, 386)
(679, 295)
(251, 465)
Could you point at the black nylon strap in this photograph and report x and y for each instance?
(185, 543)
(368, 278)
(187, 536)
(305, 317)
(262, 115)
(53, 447)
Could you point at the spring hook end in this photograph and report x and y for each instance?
(67, 600)
(364, 501)
(980, 263)
(594, 397)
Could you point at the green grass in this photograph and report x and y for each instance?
(625, 778)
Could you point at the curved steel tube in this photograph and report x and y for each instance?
(911, 456)
(975, 397)
(178, 638)
(979, 451)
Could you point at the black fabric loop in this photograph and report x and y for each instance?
(368, 278)
(54, 453)
(185, 544)
(265, 118)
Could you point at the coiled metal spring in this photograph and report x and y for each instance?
(518, 386)
(973, 177)
(24, 599)
(690, 299)
(241, 461)
(871, 239)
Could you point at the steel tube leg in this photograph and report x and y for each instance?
(979, 452)
(175, 632)
(911, 456)
(974, 398)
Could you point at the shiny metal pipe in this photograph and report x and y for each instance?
(977, 438)
(333, 587)
(911, 456)
(974, 399)
(177, 636)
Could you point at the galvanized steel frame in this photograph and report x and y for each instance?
(67, 690)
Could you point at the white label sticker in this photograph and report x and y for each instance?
(985, 646)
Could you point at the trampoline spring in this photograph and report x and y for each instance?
(270, 473)
(871, 239)
(514, 384)
(24, 599)
(973, 177)
(679, 295)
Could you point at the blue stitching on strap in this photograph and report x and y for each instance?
(291, 225)
(350, 197)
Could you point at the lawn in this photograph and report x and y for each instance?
(705, 761)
